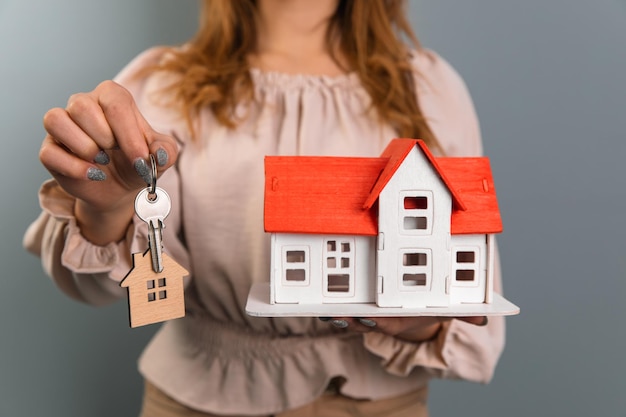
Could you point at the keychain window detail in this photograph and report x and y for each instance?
(152, 294)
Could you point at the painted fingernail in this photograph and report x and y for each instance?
(102, 158)
(141, 166)
(485, 321)
(162, 157)
(367, 322)
(96, 174)
(324, 318)
(342, 324)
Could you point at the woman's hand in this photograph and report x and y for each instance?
(97, 149)
(412, 329)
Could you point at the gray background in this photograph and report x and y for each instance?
(547, 78)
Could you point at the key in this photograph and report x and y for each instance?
(153, 208)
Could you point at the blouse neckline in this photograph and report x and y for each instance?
(264, 78)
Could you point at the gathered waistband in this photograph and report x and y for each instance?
(237, 340)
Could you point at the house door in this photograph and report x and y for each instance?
(338, 270)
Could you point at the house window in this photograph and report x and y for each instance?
(339, 267)
(156, 289)
(465, 265)
(338, 283)
(415, 269)
(296, 265)
(416, 212)
(465, 275)
(466, 257)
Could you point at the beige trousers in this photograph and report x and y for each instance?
(158, 404)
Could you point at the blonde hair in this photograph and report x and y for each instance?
(214, 71)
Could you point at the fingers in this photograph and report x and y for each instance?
(70, 136)
(407, 328)
(362, 325)
(131, 132)
(129, 128)
(164, 149)
(98, 127)
(86, 113)
(58, 161)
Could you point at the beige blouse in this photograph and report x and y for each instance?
(217, 358)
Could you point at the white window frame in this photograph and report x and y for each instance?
(304, 265)
(156, 289)
(426, 269)
(416, 213)
(466, 266)
(343, 263)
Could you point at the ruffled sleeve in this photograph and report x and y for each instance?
(460, 350)
(79, 268)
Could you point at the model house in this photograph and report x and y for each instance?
(154, 297)
(405, 229)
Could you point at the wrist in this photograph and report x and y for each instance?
(102, 227)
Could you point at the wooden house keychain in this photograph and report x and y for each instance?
(155, 282)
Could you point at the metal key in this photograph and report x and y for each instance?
(153, 208)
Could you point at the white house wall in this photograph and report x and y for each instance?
(463, 289)
(313, 288)
(415, 174)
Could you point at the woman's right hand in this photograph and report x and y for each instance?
(97, 149)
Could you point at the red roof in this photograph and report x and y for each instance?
(472, 180)
(336, 195)
(396, 151)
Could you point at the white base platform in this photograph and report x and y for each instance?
(258, 305)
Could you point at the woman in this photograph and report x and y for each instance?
(329, 77)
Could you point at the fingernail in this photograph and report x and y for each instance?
(485, 321)
(324, 318)
(367, 322)
(142, 168)
(96, 174)
(342, 324)
(162, 157)
(102, 158)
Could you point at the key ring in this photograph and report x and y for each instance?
(153, 183)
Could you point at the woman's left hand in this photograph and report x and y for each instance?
(412, 329)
